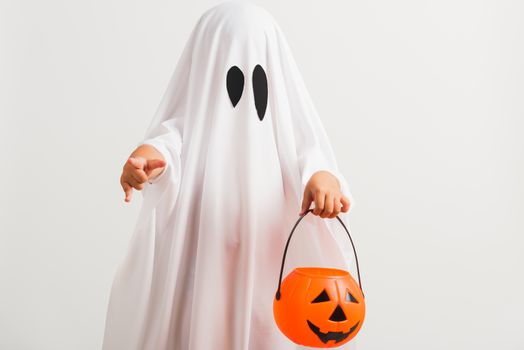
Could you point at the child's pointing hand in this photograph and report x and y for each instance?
(323, 188)
(143, 164)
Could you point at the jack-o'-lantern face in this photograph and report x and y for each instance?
(319, 307)
(338, 318)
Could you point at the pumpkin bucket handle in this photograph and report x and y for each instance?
(287, 244)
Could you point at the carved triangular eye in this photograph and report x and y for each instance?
(321, 297)
(350, 297)
(234, 84)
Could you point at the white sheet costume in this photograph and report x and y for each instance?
(240, 144)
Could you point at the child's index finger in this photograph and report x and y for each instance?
(135, 162)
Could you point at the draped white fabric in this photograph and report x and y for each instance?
(203, 263)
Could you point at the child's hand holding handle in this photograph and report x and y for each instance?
(323, 188)
(144, 164)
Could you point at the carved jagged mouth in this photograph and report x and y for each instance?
(336, 336)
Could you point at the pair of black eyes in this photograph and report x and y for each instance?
(235, 86)
(323, 296)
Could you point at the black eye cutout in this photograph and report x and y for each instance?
(321, 297)
(260, 90)
(350, 297)
(234, 84)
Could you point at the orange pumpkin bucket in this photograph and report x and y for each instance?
(317, 306)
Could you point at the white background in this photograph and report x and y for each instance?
(423, 102)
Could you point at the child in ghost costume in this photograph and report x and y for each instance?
(234, 154)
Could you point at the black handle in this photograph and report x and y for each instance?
(287, 244)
